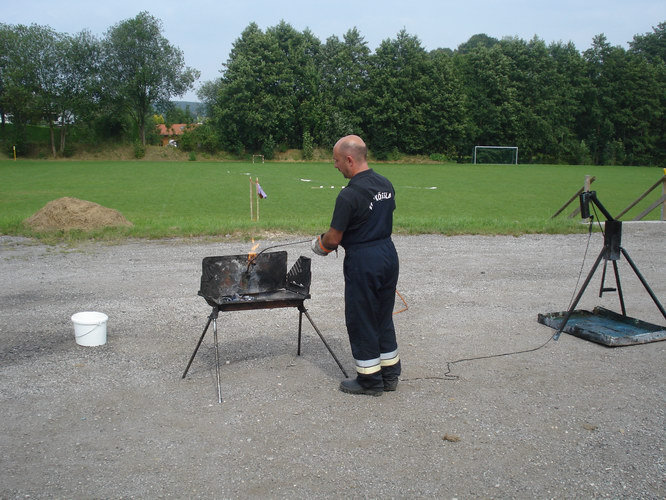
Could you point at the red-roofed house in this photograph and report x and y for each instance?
(173, 132)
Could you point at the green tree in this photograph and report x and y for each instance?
(308, 146)
(477, 41)
(625, 109)
(597, 128)
(344, 86)
(47, 54)
(29, 77)
(244, 111)
(175, 114)
(199, 138)
(491, 96)
(141, 68)
(208, 93)
(544, 98)
(268, 94)
(401, 85)
(652, 46)
(558, 105)
(638, 97)
(568, 84)
(78, 73)
(445, 118)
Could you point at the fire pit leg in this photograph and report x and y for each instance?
(303, 310)
(300, 327)
(210, 318)
(217, 360)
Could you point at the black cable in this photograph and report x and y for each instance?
(596, 216)
(582, 265)
(448, 376)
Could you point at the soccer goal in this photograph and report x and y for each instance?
(257, 158)
(496, 154)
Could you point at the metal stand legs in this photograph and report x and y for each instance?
(611, 251)
(604, 254)
(213, 318)
(303, 310)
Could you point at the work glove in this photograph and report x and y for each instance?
(319, 248)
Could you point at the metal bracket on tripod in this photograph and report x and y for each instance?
(612, 250)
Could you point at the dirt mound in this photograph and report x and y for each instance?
(72, 213)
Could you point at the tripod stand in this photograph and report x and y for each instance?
(612, 250)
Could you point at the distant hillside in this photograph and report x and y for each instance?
(196, 108)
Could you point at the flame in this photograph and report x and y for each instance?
(252, 254)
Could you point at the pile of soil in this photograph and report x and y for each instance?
(71, 213)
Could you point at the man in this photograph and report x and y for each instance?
(362, 223)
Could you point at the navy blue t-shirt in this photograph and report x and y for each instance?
(364, 209)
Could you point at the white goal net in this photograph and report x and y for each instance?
(497, 155)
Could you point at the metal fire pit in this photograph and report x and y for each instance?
(236, 283)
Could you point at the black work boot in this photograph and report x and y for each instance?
(390, 384)
(353, 387)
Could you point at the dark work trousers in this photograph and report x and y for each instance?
(371, 275)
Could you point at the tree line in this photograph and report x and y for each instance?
(603, 106)
(104, 87)
(282, 88)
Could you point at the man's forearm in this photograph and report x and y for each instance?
(332, 238)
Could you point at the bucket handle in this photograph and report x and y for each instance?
(89, 331)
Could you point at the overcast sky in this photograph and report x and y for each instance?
(206, 29)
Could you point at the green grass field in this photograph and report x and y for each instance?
(170, 199)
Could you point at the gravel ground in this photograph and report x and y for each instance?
(572, 419)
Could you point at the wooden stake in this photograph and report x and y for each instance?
(251, 203)
(257, 195)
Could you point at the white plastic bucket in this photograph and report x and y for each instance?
(90, 328)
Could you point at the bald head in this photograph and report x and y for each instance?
(350, 156)
(353, 145)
